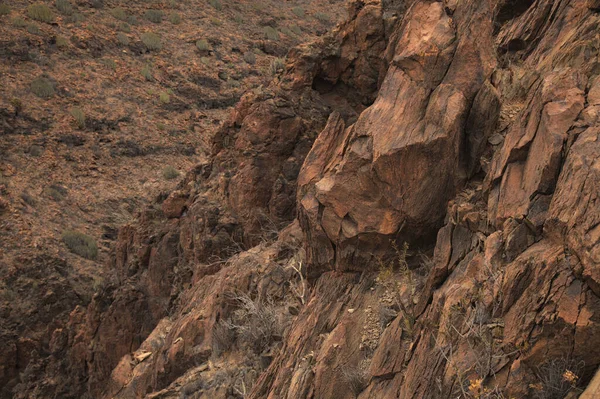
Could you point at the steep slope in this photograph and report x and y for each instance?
(96, 123)
(447, 242)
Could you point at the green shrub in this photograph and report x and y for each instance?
(296, 29)
(151, 41)
(42, 87)
(322, 17)
(33, 29)
(250, 57)
(170, 173)
(147, 73)
(205, 60)
(298, 11)
(217, 5)
(79, 116)
(19, 22)
(4, 9)
(164, 97)
(238, 18)
(80, 244)
(132, 20)
(175, 18)
(122, 39)
(61, 42)
(119, 13)
(203, 45)
(124, 26)
(155, 16)
(271, 33)
(287, 31)
(36, 150)
(40, 12)
(277, 66)
(64, 7)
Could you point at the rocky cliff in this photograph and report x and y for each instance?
(409, 211)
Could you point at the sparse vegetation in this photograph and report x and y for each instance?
(356, 377)
(202, 45)
(132, 20)
(387, 277)
(255, 323)
(271, 33)
(79, 116)
(155, 16)
(558, 378)
(175, 18)
(216, 4)
(152, 41)
(4, 9)
(170, 173)
(296, 29)
(80, 244)
(122, 39)
(40, 12)
(61, 42)
(42, 87)
(250, 57)
(164, 98)
(286, 31)
(322, 17)
(277, 66)
(19, 22)
(119, 14)
(33, 29)
(64, 7)
(223, 338)
(298, 11)
(147, 73)
(76, 18)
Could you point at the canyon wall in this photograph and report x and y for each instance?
(442, 159)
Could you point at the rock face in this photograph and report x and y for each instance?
(447, 243)
(404, 158)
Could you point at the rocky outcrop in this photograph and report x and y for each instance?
(242, 196)
(447, 242)
(405, 153)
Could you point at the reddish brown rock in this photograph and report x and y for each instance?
(175, 204)
(401, 161)
(574, 213)
(509, 299)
